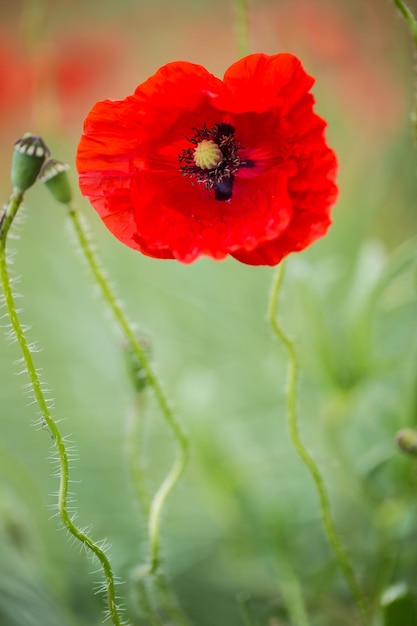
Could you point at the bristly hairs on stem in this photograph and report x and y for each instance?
(6, 220)
(326, 516)
(54, 175)
(159, 500)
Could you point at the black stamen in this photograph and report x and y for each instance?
(221, 177)
(223, 188)
(225, 130)
(248, 163)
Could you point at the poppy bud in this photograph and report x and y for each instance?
(54, 175)
(407, 441)
(137, 373)
(29, 155)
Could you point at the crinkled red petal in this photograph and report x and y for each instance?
(197, 224)
(129, 169)
(259, 83)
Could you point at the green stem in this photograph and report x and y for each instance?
(146, 605)
(411, 20)
(167, 598)
(135, 430)
(241, 27)
(243, 599)
(291, 591)
(412, 23)
(328, 524)
(5, 223)
(9, 213)
(168, 601)
(175, 473)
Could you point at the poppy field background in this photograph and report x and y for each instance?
(242, 537)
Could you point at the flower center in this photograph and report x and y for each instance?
(213, 160)
(207, 155)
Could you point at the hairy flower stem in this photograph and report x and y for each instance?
(175, 473)
(160, 585)
(8, 215)
(137, 473)
(328, 524)
(5, 223)
(168, 601)
(144, 597)
(241, 27)
(135, 433)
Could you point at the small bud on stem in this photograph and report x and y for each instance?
(407, 441)
(29, 154)
(54, 175)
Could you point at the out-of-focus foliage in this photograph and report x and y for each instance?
(245, 518)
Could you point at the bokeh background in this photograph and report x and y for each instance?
(242, 538)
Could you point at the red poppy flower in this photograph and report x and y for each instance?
(190, 165)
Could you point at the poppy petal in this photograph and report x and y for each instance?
(269, 190)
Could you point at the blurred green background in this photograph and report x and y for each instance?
(243, 528)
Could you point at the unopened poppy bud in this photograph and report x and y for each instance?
(29, 155)
(407, 441)
(54, 175)
(136, 370)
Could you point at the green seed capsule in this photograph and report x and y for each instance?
(29, 155)
(407, 441)
(54, 175)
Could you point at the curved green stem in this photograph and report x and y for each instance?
(5, 223)
(178, 468)
(328, 524)
(167, 599)
(411, 20)
(8, 215)
(241, 27)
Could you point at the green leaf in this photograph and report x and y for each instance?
(399, 606)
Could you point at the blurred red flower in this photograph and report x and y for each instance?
(361, 54)
(190, 165)
(47, 83)
(14, 76)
